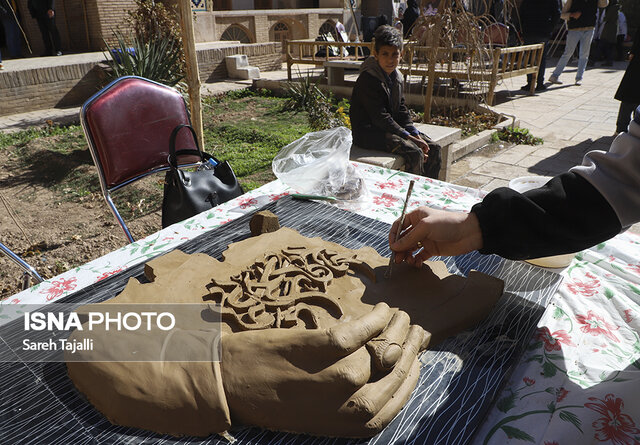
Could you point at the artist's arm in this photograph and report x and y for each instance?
(566, 215)
(575, 210)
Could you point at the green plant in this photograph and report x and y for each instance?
(517, 135)
(153, 19)
(156, 60)
(303, 94)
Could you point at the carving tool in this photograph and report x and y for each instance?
(392, 259)
(318, 197)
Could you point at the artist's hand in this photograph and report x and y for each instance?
(437, 232)
(51, 13)
(420, 143)
(319, 381)
(575, 15)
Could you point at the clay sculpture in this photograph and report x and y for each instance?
(314, 339)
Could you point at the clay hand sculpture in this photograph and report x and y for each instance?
(308, 345)
(318, 381)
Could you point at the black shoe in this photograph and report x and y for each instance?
(525, 87)
(542, 87)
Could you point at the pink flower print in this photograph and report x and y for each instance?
(392, 185)
(453, 194)
(595, 325)
(552, 340)
(247, 202)
(561, 393)
(225, 221)
(59, 287)
(15, 301)
(613, 426)
(108, 274)
(635, 268)
(587, 288)
(386, 200)
(278, 196)
(528, 381)
(627, 316)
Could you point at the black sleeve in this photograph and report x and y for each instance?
(566, 215)
(404, 117)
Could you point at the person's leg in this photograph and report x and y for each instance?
(412, 154)
(585, 46)
(608, 47)
(55, 35)
(573, 37)
(12, 33)
(624, 116)
(431, 168)
(44, 30)
(543, 64)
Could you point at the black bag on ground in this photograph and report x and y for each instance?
(187, 193)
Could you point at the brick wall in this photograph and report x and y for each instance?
(266, 56)
(41, 88)
(71, 85)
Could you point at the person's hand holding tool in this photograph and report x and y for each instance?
(426, 232)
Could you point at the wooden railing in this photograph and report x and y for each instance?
(489, 65)
(304, 52)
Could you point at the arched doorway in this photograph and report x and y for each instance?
(237, 33)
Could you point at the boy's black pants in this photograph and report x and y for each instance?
(413, 156)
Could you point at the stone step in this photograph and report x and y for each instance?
(238, 67)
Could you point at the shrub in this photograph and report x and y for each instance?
(517, 135)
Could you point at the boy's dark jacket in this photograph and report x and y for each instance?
(377, 107)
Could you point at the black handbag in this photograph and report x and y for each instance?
(187, 193)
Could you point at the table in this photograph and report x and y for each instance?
(335, 70)
(578, 379)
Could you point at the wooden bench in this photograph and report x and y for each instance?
(490, 65)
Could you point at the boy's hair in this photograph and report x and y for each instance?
(387, 35)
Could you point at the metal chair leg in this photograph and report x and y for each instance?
(29, 271)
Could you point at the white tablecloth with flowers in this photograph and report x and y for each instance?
(579, 379)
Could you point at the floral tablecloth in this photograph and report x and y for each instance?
(578, 381)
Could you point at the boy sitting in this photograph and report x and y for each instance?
(380, 119)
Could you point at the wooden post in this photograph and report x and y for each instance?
(193, 75)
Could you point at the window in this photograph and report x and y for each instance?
(236, 33)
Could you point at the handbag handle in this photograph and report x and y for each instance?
(173, 154)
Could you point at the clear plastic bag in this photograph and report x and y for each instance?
(318, 164)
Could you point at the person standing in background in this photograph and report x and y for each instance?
(9, 21)
(609, 34)
(622, 36)
(581, 20)
(628, 92)
(44, 13)
(538, 19)
(409, 16)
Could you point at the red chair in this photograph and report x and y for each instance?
(127, 125)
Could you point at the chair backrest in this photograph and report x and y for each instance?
(127, 125)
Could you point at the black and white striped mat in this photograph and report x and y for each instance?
(458, 382)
